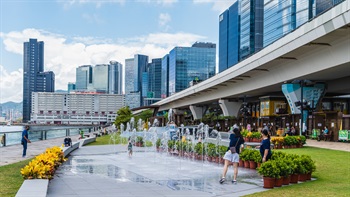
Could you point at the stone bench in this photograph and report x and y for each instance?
(33, 187)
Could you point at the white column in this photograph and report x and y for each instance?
(197, 112)
(230, 108)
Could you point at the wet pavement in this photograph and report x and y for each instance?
(109, 171)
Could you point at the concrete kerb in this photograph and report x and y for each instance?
(38, 187)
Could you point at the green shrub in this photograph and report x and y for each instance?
(269, 169)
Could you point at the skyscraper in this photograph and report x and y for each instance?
(129, 75)
(229, 37)
(34, 79)
(154, 77)
(100, 78)
(115, 77)
(45, 82)
(251, 27)
(134, 71)
(165, 77)
(189, 63)
(83, 78)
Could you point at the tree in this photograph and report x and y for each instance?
(144, 115)
(123, 116)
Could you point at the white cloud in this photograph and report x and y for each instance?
(164, 19)
(63, 54)
(11, 85)
(218, 5)
(68, 3)
(160, 2)
(92, 18)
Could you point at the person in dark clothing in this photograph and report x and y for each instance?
(265, 147)
(231, 157)
(25, 140)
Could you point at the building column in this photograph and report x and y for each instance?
(230, 108)
(197, 111)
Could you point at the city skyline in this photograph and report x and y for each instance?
(89, 38)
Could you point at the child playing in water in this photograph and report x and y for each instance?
(130, 148)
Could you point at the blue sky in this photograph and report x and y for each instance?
(78, 32)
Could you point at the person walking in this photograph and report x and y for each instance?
(265, 147)
(25, 140)
(231, 157)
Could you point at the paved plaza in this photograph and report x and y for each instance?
(108, 171)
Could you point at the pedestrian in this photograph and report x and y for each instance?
(25, 140)
(265, 146)
(130, 148)
(231, 157)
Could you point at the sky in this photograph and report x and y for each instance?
(80, 32)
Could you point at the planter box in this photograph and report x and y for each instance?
(269, 182)
(294, 178)
(279, 182)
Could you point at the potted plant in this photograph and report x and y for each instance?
(158, 144)
(198, 149)
(288, 141)
(139, 141)
(309, 165)
(285, 171)
(252, 159)
(222, 151)
(244, 156)
(270, 172)
(170, 145)
(257, 158)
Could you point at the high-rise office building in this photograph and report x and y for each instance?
(134, 71)
(165, 77)
(100, 78)
(115, 77)
(140, 66)
(251, 27)
(83, 78)
(45, 82)
(189, 63)
(129, 75)
(34, 77)
(71, 87)
(229, 37)
(154, 78)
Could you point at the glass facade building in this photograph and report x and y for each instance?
(154, 78)
(45, 82)
(34, 77)
(188, 63)
(165, 77)
(100, 78)
(83, 78)
(129, 75)
(229, 32)
(71, 87)
(251, 27)
(115, 77)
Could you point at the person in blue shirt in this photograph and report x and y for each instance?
(232, 158)
(325, 133)
(25, 140)
(265, 147)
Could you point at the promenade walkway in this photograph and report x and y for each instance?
(13, 153)
(328, 145)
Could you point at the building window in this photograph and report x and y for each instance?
(64, 112)
(73, 112)
(58, 112)
(41, 112)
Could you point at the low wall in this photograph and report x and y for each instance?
(69, 149)
(38, 187)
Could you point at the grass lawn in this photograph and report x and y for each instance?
(332, 173)
(108, 139)
(11, 178)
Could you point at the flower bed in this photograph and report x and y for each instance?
(288, 141)
(44, 165)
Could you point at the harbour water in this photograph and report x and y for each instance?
(10, 135)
